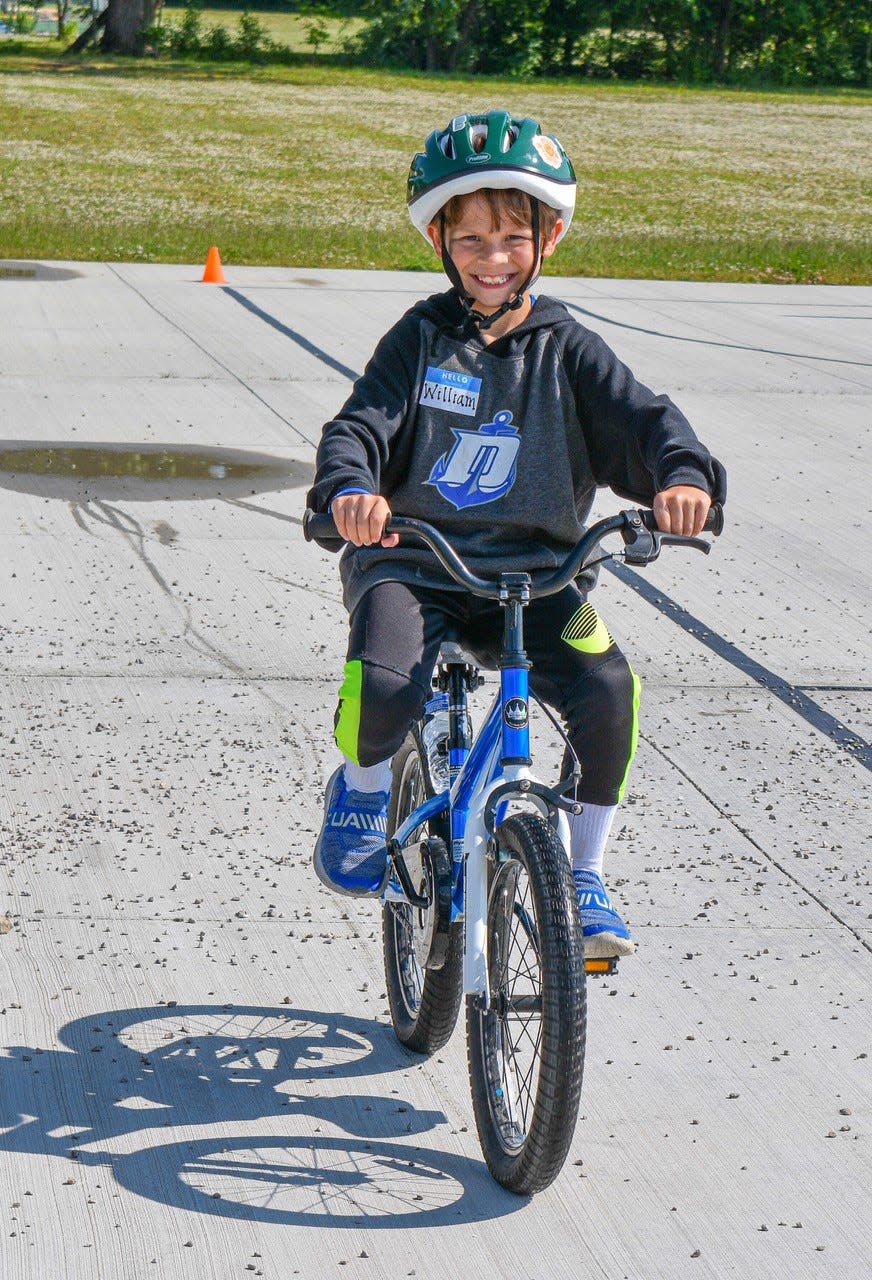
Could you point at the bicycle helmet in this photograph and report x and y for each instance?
(491, 151)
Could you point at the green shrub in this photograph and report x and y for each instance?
(217, 44)
(187, 37)
(252, 38)
(24, 22)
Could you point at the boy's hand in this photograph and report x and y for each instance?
(360, 518)
(681, 509)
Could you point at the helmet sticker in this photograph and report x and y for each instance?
(548, 150)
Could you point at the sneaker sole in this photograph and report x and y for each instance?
(607, 946)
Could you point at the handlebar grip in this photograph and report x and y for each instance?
(320, 525)
(714, 521)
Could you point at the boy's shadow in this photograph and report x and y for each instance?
(323, 1155)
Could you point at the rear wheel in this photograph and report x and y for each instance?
(423, 952)
(526, 1050)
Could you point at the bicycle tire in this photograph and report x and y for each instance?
(424, 1002)
(526, 1051)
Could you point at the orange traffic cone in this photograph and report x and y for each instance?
(213, 272)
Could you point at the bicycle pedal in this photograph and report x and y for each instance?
(604, 965)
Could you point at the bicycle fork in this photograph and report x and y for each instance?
(486, 776)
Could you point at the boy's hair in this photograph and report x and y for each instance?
(516, 205)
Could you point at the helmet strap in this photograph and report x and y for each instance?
(512, 304)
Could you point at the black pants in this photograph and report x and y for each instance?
(577, 668)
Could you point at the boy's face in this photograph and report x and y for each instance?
(493, 261)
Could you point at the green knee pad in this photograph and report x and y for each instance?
(634, 732)
(347, 724)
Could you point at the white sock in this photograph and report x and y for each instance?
(373, 777)
(589, 831)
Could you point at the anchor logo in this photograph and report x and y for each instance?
(480, 466)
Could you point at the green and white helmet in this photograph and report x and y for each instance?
(490, 150)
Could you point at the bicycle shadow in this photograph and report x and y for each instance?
(324, 1156)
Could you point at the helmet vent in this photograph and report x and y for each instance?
(510, 137)
(478, 136)
(446, 145)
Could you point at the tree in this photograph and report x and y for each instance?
(673, 21)
(562, 23)
(126, 23)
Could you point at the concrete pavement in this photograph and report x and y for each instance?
(197, 1072)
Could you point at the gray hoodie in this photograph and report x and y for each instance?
(500, 446)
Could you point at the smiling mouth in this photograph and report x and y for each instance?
(494, 282)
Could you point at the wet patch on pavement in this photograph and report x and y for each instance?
(144, 472)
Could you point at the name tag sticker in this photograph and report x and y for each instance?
(451, 390)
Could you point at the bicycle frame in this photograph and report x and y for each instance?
(498, 760)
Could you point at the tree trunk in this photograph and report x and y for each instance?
(464, 53)
(722, 47)
(90, 33)
(126, 20)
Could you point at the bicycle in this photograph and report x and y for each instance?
(479, 898)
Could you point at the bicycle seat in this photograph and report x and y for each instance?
(452, 651)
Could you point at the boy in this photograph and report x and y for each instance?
(494, 415)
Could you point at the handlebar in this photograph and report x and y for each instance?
(638, 528)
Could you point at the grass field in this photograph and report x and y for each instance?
(306, 166)
(291, 29)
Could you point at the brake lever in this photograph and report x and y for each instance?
(642, 546)
(679, 540)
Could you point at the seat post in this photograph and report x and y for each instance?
(456, 676)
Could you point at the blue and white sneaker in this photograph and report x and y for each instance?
(605, 934)
(351, 853)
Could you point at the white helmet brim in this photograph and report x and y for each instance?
(423, 209)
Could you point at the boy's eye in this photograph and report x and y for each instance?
(520, 238)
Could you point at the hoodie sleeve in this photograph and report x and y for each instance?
(638, 442)
(355, 446)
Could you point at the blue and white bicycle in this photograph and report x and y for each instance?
(479, 898)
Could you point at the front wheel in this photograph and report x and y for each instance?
(423, 955)
(526, 1050)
